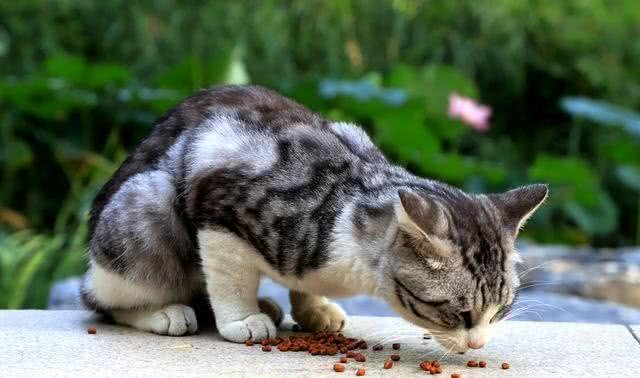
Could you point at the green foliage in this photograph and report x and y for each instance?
(30, 262)
(81, 82)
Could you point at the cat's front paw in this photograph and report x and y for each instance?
(325, 317)
(255, 327)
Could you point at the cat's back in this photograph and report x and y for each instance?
(253, 107)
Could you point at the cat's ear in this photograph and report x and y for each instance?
(423, 219)
(518, 205)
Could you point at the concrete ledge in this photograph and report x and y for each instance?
(56, 343)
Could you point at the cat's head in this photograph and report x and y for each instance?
(452, 270)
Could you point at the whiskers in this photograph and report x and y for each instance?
(535, 304)
(388, 337)
(534, 284)
(527, 271)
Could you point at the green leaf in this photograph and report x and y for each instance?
(600, 219)
(72, 68)
(405, 133)
(629, 176)
(100, 75)
(572, 176)
(449, 167)
(17, 155)
(560, 170)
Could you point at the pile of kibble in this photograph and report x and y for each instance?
(317, 343)
(330, 344)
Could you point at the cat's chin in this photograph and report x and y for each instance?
(452, 341)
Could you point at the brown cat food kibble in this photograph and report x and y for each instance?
(316, 344)
(505, 365)
(360, 357)
(92, 330)
(472, 364)
(266, 348)
(388, 364)
(456, 375)
(344, 360)
(435, 364)
(395, 357)
(482, 364)
(339, 368)
(249, 342)
(360, 372)
(378, 347)
(425, 365)
(395, 346)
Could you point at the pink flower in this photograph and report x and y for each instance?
(469, 111)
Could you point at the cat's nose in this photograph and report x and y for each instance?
(475, 344)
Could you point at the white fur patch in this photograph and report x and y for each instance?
(222, 142)
(174, 320)
(110, 289)
(479, 335)
(354, 134)
(232, 283)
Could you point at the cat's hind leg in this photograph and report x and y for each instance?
(232, 280)
(144, 267)
(316, 313)
(135, 304)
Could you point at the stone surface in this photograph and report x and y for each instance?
(56, 343)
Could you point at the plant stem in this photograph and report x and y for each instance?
(574, 138)
(638, 223)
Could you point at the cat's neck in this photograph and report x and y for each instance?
(367, 230)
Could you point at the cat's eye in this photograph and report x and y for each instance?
(468, 321)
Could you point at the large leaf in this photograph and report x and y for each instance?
(368, 88)
(17, 154)
(100, 75)
(600, 219)
(602, 112)
(404, 132)
(71, 68)
(449, 167)
(572, 175)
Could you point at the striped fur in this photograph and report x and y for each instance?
(240, 182)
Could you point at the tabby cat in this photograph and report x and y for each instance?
(238, 182)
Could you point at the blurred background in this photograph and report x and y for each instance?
(81, 82)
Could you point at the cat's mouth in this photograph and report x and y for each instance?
(452, 341)
(461, 340)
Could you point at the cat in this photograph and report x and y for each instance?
(239, 182)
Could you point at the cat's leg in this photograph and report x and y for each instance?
(316, 313)
(272, 309)
(232, 280)
(135, 304)
(144, 267)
